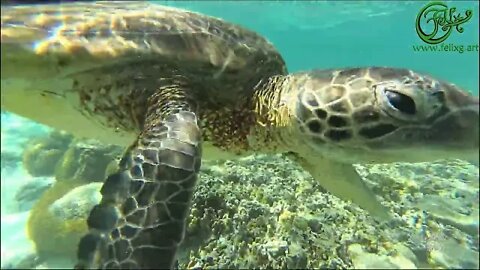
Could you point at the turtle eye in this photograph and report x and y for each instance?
(401, 102)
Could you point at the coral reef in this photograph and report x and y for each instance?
(266, 212)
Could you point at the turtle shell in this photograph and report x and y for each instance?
(220, 60)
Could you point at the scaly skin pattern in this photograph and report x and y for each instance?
(380, 114)
(177, 87)
(141, 219)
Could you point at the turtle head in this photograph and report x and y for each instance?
(380, 114)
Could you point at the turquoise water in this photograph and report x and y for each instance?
(313, 34)
(435, 204)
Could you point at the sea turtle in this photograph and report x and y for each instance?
(176, 86)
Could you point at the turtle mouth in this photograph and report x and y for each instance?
(459, 128)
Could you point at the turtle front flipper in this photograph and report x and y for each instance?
(343, 181)
(141, 219)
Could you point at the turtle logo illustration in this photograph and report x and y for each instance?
(444, 20)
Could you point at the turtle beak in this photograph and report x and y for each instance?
(458, 129)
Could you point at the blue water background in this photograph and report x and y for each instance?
(327, 34)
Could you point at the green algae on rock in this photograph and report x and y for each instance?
(66, 158)
(49, 234)
(42, 154)
(58, 219)
(86, 161)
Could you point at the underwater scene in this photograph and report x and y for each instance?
(342, 135)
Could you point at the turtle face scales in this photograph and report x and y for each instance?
(387, 114)
(430, 114)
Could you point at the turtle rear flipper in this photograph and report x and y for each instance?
(141, 219)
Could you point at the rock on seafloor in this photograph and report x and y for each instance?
(77, 203)
(58, 219)
(66, 158)
(87, 161)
